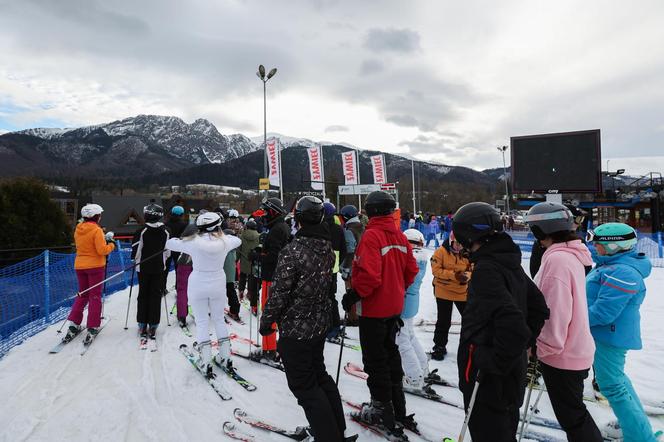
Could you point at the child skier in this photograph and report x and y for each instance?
(503, 316)
(92, 248)
(299, 303)
(414, 360)
(616, 290)
(565, 346)
(208, 250)
(146, 245)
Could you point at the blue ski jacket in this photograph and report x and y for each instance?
(615, 289)
(412, 303)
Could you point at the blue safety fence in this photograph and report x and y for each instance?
(39, 291)
(648, 243)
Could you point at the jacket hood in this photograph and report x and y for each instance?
(501, 249)
(87, 227)
(317, 244)
(250, 235)
(354, 219)
(321, 231)
(385, 222)
(574, 248)
(634, 259)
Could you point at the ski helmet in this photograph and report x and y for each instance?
(348, 212)
(414, 236)
(91, 210)
(329, 209)
(208, 222)
(615, 237)
(177, 210)
(379, 203)
(152, 213)
(309, 210)
(475, 222)
(274, 208)
(232, 213)
(547, 217)
(251, 225)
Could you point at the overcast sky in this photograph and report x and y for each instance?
(443, 80)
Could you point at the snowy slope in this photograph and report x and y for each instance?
(117, 392)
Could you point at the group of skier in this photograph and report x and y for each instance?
(513, 328)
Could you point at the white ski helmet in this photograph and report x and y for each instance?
(208, 221)
(90, 210)
(232, 213)
(414, 236)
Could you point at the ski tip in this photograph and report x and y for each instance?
(229, 426)
(183, 346)
(239, 412)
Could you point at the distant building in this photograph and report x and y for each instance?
(123, 214)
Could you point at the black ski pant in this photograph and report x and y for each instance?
(313, 387)
(150, 292)
(444, 320)
(231, 294)
(251, 283)
(565, 388)
(382, 361)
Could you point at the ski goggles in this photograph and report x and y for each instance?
(593, 236)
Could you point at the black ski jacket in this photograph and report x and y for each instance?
(299, 298)
(275, 240)
(502, 319)
(148, 241)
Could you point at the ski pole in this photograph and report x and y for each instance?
(120, 273)
(131, 287)
(168, 321)
(341, 352)
(464, 427)
(103, 290)
(533, 410)
(531, 383)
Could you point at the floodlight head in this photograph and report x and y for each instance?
(271, 73)
(620, 171)
(261, 71)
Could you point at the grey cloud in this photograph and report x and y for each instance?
(371, 67)
(336, 128)
(392, 40)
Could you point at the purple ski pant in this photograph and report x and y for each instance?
(88, 278)
(182, 273)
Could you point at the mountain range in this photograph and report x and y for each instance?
(151, 149)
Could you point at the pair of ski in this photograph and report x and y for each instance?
(338, 341)
(258, 358)
(148, 343)
(425, 322)
(87, 342)
(235, 432)
(426, 393)
(212, 381)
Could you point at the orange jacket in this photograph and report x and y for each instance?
(91, 247)
(444, 264)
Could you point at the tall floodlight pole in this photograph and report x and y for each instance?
(507, 193)
(261, 75)
(412, 172)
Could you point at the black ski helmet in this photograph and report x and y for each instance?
(475, 222)
(152, 213)
(379, 203)
(251, 225)
(309, 210)
(274, 208)
(348, 212)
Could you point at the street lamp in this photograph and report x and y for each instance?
(261, 75)
(507, 193)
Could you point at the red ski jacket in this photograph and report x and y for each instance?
(383, 267)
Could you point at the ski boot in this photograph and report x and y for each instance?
(413, 384)
(234, 316)
(72, 332)
(438, 353)
(381, 415)
(433, 377)
(182, 322)
(409, 423)
(92, 334)
(223, 358)
(612, 430)
(152, 331)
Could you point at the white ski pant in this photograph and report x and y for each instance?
(207, 294)
(414, 360)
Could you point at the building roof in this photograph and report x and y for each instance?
(123, 214)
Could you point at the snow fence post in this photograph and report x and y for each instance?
(122, 264)
(47, 288)
(659, 244)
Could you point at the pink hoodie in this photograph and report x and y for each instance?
(565, 341)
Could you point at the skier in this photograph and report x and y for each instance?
(616, 290)
(147, 242)
(353, 230)
(92, 248)
(183, 270)
(299, 303)
(208, 249)
(383, 267)
(413, 358)
(503, 316)
(234, 222)
(339, 246)
(433, 232)
(565, 346)
(249, 239)
(447, 222)
(275, 240)
(175, 226)
(230, 269)
(451, 274)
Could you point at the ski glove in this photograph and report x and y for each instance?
(462, 277)
(266, 330)
(109, 236)
(350, 299)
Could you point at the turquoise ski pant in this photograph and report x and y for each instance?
(616, 387)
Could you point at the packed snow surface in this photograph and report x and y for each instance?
(117, 392)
